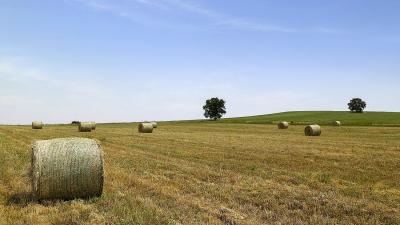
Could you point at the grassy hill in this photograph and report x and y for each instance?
(323, 118)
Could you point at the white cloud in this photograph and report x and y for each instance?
(95, 5)
(10, 70)
(225, 20)
(27, 91)
(13, 100)
(250, 26)
(152, 4)
(191, 7)
(56, 99)
(326, 30)
(217, 18)
(19, 71)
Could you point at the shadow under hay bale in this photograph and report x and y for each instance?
(21, 199)
(37, 125)
(312, 130)
(67, 168)
(145, 128)
(283, 125)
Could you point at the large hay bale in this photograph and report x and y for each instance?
(37, 125)
(337, 123)
(312, 130)
(145, 128)
(67, 168)
(85, 127)
(283, 125)
(93, 124)
(155, 125)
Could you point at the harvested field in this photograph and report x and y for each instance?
(214, 173)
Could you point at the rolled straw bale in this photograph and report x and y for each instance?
(312, 130)
(67, 168)
(337, 123)
(85, 127)
(37, 125)
(154, 124)
(283, 125)
(145, 128)
(93, 124)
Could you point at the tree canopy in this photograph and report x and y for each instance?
(357, 105)
(214, 108)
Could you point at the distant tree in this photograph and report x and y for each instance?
(357, 105)
(214, 108)
(75, 122)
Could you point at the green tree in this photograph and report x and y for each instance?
(214, 108)
(357, 105)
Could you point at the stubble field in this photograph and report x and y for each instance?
(217, 173)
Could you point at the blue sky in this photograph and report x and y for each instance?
(133, 60)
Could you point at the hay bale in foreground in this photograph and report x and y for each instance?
(337, 123)
(85, 127)
(37, 125)
(312, 130)
(155, 125)
(67, 168)
(145, 128)
(283, 125)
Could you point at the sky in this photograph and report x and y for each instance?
(135, 60)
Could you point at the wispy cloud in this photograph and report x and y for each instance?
(10, 70)
(326, 30)
(222, 19)
(19, 71)
(243, 24)
(29, 92)
(103, 6)
(121, 9)
(193, 8)
(152, 3)
(216, 18)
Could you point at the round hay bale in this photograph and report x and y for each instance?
(67, 168)
(337, 123)
(312, 130)
(93, 124)
(283, 125)
(85, 127)
(37, 125)
(155, 125)
(145, 128)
